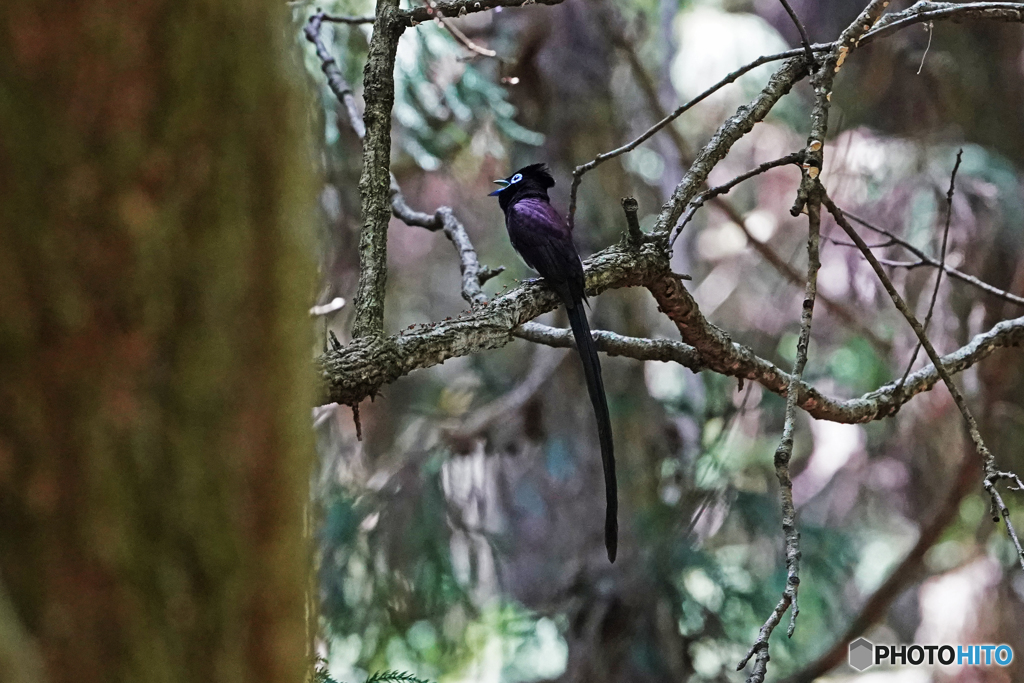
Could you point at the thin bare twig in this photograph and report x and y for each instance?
(992, 475)
(942, 262)
(854, 36)
(783, 453)
(785, 449)
(457, 33)
(901, 305)
(930, 27)
(614, 344)
(1000, 506)
(839, 309)
(808, 199)
(335, 80)
(335, 19)
(543, 365)
(925, 260)
(908, 570)
(877, 245)
(579, 171)
(465, 40)
(699, 200)
(804, 39)
(612, 26)
(926, 11)
(473, 274)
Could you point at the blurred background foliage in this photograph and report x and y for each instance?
(475, 554)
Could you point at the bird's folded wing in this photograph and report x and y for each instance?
(541, 237)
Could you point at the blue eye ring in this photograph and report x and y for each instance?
(515, 179)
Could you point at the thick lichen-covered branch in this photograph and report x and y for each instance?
(357, 370)
(375, 180)
(922, 12)
(742, 363)
(365, 365)
(614, 344)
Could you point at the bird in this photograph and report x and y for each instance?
(544, 241)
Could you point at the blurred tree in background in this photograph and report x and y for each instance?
(467, 546)
(154, 344)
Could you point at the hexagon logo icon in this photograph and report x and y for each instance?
(862, 654)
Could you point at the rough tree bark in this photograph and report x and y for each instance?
(154, 378)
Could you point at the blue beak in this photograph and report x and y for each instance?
(503, 183)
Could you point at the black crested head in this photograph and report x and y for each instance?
(529, 181)
(539, 174)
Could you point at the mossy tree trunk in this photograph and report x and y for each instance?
(154, 357)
